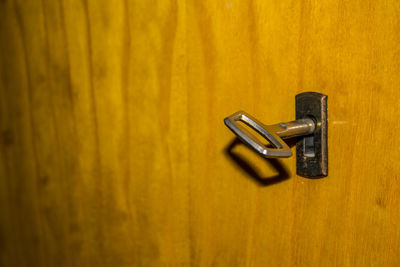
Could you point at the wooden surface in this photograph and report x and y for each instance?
(114, 151)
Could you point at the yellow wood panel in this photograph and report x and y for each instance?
(114, 153)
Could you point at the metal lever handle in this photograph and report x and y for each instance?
(272, 133)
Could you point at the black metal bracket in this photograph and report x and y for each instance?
(312, 150)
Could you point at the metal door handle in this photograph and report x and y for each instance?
(310, 125)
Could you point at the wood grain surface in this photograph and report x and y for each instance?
(114, 151)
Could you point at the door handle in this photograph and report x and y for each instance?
(310, 127)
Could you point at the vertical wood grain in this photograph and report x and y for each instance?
(114, 153)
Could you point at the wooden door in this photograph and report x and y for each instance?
(114, 151)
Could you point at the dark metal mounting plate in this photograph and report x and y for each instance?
(312, 150)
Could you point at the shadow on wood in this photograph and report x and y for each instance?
(251, 170)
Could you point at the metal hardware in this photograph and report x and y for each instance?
(272, 133)
(312, 162)
(310, 125)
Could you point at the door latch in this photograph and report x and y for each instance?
(310, 127)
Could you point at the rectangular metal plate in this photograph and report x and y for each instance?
(312, 150)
